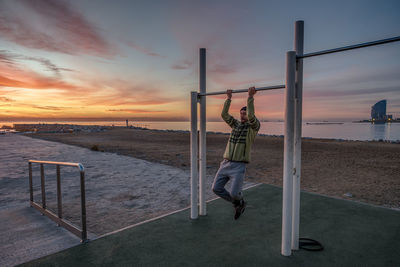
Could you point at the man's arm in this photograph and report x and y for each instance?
(225, 111)
(253, 121)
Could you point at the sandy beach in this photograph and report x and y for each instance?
(120, 190)
(362, 171)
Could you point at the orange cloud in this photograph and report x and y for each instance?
(50, 107)
(34, 81)
(119, 92)
(137, 110)
(117, 101)
(4, 81)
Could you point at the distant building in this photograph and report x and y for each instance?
(378, 111)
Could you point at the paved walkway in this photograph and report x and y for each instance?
(120, 191)
(353, 234)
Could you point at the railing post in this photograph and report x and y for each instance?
(30, 182)
(83, 207)
(288, 154)
(202, 137)
(43, 185)
(59, 199)
(299, 48)
(194, 175)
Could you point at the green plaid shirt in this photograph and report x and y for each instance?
(242, 135)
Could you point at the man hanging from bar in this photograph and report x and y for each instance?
(237, 152)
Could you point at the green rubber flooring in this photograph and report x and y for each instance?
(353, 234)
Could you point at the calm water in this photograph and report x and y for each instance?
(347, 131)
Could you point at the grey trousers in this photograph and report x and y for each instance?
(229, 170)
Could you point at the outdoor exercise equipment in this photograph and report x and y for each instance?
(292, 135)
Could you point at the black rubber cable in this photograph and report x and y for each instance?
(310, 244)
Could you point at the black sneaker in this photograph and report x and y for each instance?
(239, 209)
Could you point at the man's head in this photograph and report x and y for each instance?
(243, 114)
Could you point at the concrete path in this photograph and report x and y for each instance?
(120, 191)
(26, 235)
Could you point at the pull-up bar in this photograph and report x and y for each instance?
(245, 90)
(350, 47)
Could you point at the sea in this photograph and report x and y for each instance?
(340, 131)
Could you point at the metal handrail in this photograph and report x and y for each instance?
(81, 233)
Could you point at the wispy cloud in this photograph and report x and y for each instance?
(49, 65)
(52, 26)
(353, 78)
(182, 65)
(14, 73)
(223, 68)
(35, 81)
(35, 106)
(353, 92)
(6, 57)
(6, 99)
(49, 107)
(143, 50)
(7, 82)
(137, 110)
(136, 96)
(12, 59)
(116, 100)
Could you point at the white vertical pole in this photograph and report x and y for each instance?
(299, 48)
(288, 154)
(194, 175)
(202, 141)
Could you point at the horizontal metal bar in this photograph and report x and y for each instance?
(345, 48)
(244, 90)
(79, 165)
(72, 228)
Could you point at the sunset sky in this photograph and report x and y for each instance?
(139, 59)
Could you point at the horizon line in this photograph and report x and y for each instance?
(22, 119)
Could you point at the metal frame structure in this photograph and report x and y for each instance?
(292, 135)
(81, 233)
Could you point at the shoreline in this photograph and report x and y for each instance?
(365, 171)
(71, 128)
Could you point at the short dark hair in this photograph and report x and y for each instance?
(243, 108)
